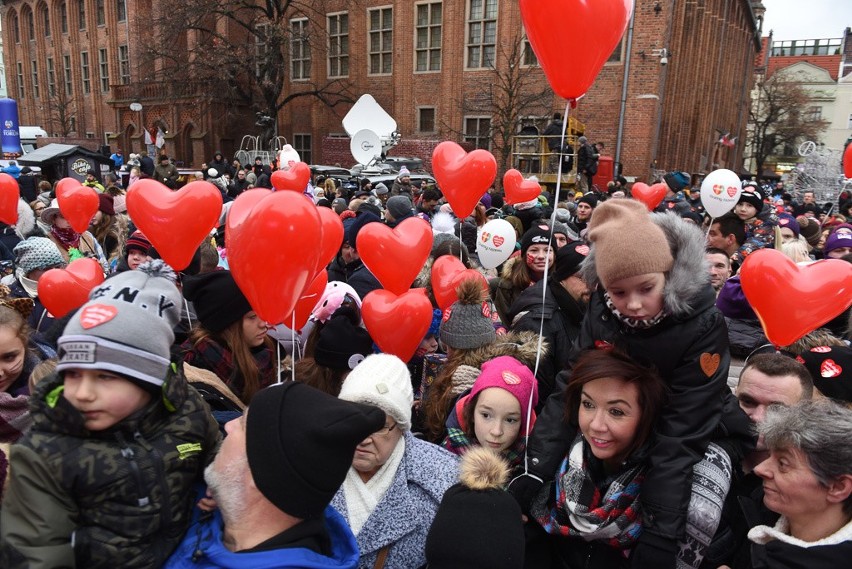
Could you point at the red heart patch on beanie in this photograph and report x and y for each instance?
(97, 314)
(829, 368)
(510, 378)
(582, 249)
(821, 350)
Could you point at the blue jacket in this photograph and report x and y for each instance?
(202, 548)
(403, 516)
(13, 170)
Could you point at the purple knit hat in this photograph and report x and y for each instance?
(788, 221)
(732, 301)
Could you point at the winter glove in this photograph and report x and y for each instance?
(524, 488)
(654, 552)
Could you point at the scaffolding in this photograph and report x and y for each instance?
(819, 171)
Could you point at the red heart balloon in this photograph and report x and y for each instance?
(272, 250)
(395, 256)
(10, 193)
(847, 161)
(651, 196)
(78, 203)
(519, 190)
(176, 222)
(397, 323)
(792, 300)
(447, 274)
(332, 236)
(463, 177)
(592, 28)
(295, 179)
(64, 290)
(307, 301)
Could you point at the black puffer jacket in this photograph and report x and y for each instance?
(121, 497)
(562, 319)
(690, 350)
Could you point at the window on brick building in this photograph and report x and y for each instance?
(81, 13)
(481, 33)
(260, 43)
(20, 74)
(381, 40)
(124, 64)
(72, 124)
(34, 70)
(849, 123)
(51, 78)
(63, 17)
(66, 67)
(31, 26)
(338, 45)
(99, 10)
(103, 66)
(45, 20)
(16, 28)
(528, 58)
(426, 119)
(121, 10)
(302, 145)
(84, 72)
(300, 50)
(477, 131)
(427, 36)
(616, 56)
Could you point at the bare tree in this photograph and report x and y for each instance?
(238, 50)
(515, 91)
(781, 116)
(61, 111)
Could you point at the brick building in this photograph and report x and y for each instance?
(427, 62)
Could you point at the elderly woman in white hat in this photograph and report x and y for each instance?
(396, 482)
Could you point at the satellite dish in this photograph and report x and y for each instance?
(367, 114)
(365, 146)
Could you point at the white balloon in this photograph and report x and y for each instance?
(495, 242)
(720, 192)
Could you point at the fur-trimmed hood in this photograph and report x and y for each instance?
(520, 345)
(689, 277)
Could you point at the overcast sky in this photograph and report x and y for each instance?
(812, 19)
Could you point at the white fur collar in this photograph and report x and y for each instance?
(765, 534)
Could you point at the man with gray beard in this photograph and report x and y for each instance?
(273, 479)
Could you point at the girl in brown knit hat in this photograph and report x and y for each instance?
(653, 301)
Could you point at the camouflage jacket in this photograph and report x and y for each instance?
(121, 497)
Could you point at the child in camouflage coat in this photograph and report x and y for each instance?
(104, 477)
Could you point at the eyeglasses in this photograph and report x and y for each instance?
(386, 429)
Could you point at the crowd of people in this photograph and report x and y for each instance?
(577, 412)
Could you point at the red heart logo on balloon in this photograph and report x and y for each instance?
(498, 240)
(821, 290)
(176, 222)
(397, 323)
(590, 28)
(332, 236)
(395, 256)
(272, 250)
(78, 203)
(447, 274)
(651, 196)
(306, 303)
(463, 177)
(519, 190)
(295, 179)
(732, 190)
(65, 290)
(10, 193)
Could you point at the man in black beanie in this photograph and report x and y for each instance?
(273, 479)
(566, 298)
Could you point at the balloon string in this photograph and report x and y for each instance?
(188, 313)
(544, 277)
(293, 354)
(460, 242)
(709, 225)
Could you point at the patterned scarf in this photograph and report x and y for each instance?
(67, 237)
(209, 354)
(633, 322)
(582, 510)
(458, 443)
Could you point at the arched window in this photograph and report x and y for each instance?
(31, 26)
(16, 28)
(45, 19)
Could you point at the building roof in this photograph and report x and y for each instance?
(55, 151)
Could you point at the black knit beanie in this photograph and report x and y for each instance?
(217, 299)
(341, 343)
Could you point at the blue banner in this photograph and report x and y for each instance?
(10, 136)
